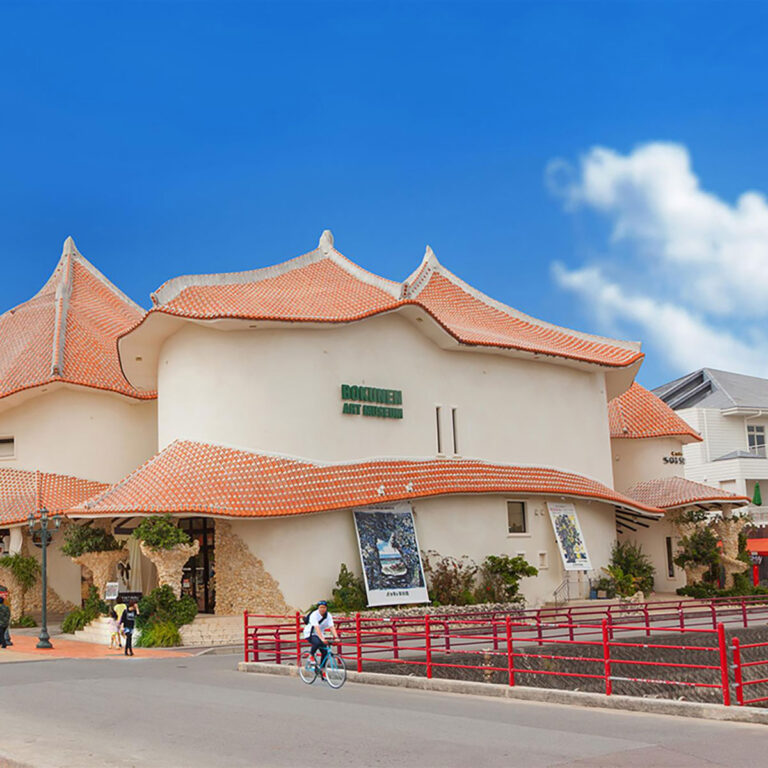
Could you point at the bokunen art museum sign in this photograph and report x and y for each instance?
(372, 401)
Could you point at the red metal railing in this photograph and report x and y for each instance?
(520, 650)
(742, 668)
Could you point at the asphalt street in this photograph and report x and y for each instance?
(198, 711)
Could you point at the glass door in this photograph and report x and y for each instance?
(197, 576)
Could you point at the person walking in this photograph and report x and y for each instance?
(5, 622)
(128, 622)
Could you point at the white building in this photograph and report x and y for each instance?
(260, 408)
(730, 411)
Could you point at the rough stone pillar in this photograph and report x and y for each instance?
(170, 563)
(102, 565)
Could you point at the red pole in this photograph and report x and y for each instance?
(428, 645)
(538, 625)
(744, 612)
(737, 672)
(713, 608)
(245, 634)
(756, 575)
(298, 639)
(570, 622)
(723, 664)
(395, 645)
(607, 659)
(510, 654)
(647, 621)
(357, 643)
(278, 653)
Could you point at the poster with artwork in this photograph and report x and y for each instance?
(570, 539)
(389, 552)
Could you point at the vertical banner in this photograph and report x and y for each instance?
(570, 539)
(389, 552)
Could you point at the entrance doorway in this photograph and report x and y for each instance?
(197, 576)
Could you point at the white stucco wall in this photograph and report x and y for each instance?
(653, 541)
(63, 574)
(635, 461)
(86, 433)
(304, 553)
(278, 390)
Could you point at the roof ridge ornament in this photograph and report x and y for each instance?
(325, 245)
(69, 248)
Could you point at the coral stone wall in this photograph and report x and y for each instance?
(242, 582)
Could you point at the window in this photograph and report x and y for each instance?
(455, 436)
(543, 561)
(439, 433)
(516, 517)
(670, 559)
(7, 448)
(756, 438)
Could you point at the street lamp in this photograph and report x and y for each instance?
(44, 641)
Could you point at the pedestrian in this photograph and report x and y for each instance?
(114, 628)
(119, 608)
(5, 621)
(128, 622)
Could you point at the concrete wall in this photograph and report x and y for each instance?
(278, 390)
(635, 461)
(304, 553)
(85, 433)
(63, 574)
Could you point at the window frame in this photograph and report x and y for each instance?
(12, 440)
(756, 430)
(526, 532)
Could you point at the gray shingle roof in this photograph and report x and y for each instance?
(710, 388)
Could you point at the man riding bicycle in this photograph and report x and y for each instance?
(319, 622)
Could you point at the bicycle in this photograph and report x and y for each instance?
(334, 671)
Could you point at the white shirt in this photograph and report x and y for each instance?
(316, 619)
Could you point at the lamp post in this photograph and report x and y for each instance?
(44, 640)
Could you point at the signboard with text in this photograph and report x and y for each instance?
(371, 401)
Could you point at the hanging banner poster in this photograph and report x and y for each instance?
(389, 551)
(570, 539)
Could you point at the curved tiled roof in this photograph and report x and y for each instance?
(325, 287)
(639, 413)
(67, 332)
(23, 491)
(199, 478)
(673, 492)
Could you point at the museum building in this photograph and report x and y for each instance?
(270, 410)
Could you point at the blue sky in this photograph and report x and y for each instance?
(583, 162)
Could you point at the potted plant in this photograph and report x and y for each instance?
(168, 547)
(95, 548)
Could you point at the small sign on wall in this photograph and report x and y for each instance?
(372, 401)
(570, 539)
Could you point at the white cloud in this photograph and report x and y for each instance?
(684, 267)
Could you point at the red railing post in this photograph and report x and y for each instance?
(723, 665)
(278, 647)
(713, 609)
(359, 647)
(245, 634)
(538, 626)
(298, 639)
(495, 635)
(681, 612)
(255, 637)
(610, 623)
(570, 623)
(510, 653)
(744, 612)
(647, 621)
(395, 641)
(428, 645)
(607, 659)
(737, 674)
(447, 632)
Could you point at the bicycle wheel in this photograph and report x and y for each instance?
(335, 671)
(308, 669)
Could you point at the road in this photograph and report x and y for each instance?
(198, 711)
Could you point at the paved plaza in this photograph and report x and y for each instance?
(198, 711)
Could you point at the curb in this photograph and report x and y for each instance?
(542, 695)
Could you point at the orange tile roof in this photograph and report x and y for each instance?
(199, 478)
(23, 491)
(638, 413)
(68, 332)
(324, 286)
(672, 492)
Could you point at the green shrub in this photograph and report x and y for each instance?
(451, 580)
(93, 607)
(699, 548)
(160, 532)
(25, 570)
(164, 634)
(81, 539)
(634, 563)
(24, 622)
(349, 594)
(624, 584)
(161, 606)
(500, 578)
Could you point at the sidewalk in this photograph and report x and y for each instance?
(23, 649)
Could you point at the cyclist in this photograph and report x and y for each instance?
(318, 624)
